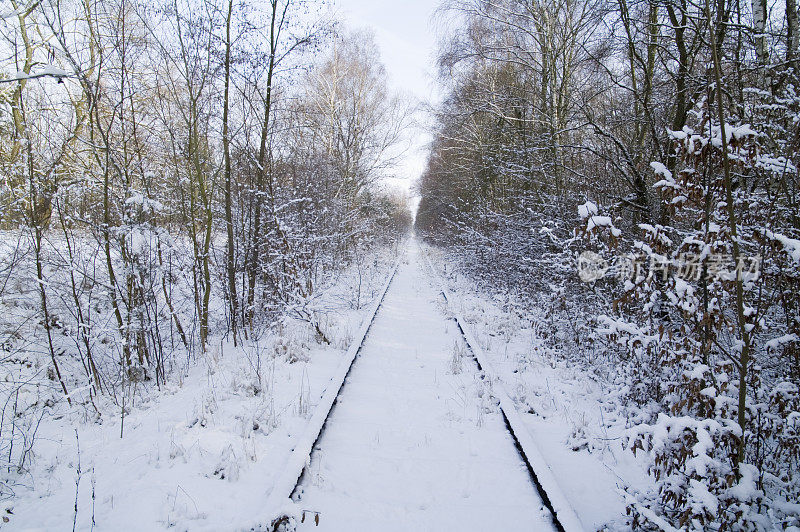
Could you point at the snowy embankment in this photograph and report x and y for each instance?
(202, 452)
(573, 416)
(279, 505)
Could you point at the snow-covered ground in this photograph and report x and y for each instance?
(574, 415)
(416, 441)
(203, 452)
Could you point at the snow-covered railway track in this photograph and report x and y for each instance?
(564, 517)
(407, 445)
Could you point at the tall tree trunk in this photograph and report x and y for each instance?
(261, 171)
(744, 333)
(759, 31)
(226, 146)
(792, 34)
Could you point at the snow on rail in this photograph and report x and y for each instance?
(279, 505)
(563, 514)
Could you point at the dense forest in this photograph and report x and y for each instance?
(173, 172)
(192, 148)
(625, 171)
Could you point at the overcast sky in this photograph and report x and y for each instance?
(403, 30)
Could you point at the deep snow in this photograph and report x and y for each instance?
(203, 452)
(416, 440)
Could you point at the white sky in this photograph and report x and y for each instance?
(404, 33)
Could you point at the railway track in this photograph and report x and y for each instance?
(283, 509)
(564, 517)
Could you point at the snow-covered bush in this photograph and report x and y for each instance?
(691, 328)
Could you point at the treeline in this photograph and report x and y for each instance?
(180, 170)
(651, 146)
